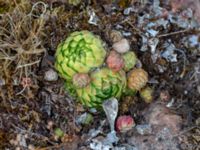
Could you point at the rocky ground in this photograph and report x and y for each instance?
(36, 112)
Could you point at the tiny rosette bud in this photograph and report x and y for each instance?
(124, 123)
(137, 79)
(81, 80)
(74, 2)
(147, 94)
(115, 36)
(121, 46)
(85, 119)
(129, 60)
(114, 61)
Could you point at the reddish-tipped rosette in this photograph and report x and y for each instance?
(114, 61)
(124, 123)
(81, 80)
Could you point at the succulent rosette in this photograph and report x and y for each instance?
(147, 94)
(124, 123)
(81, 60)
(129, 60)
(104, 84)
(114, 61)
(81, 52)
(137, 79)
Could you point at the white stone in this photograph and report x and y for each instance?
(51, 75)
(122, 46)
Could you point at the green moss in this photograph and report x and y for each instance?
(74, 2)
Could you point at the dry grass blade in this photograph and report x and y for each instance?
(21, 36)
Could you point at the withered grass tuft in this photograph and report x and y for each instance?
(21, 43)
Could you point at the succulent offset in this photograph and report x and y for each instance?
(137, 79)
(124, 123)
(92, 74)
(146, 94)
(114, 61)
(80, 80)
(129, 60)
(74, 2)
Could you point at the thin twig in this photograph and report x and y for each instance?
(136, 29)
(186, 130)
(52, 147)
(20, 92)
(184, 61)
(29, 64)
(33, 7)
(32, 133)
(173, 33)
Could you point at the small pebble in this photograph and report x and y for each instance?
(193, 40)
(126, 34)
(122, 46)
(93, 110)
(119, 26)
(152, 32)
(17, 148)
(144, 129)
(13, 142)
(170, 104)
(50, 125)
(93, 18)
(51, 75)
(128, 10)
(153, 42)
(197, 121)
(138, 64)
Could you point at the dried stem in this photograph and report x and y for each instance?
(174, 33)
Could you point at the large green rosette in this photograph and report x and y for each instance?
(105, 84)
(81, 52)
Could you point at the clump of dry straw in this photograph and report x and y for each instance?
(21, 44)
